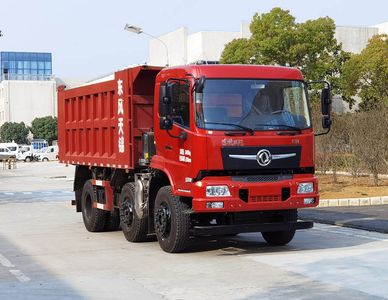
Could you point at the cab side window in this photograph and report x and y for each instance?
(181, 105)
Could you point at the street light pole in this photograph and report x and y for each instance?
(138, 30)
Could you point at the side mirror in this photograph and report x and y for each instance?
(325, 106)
(326, 101)
(165, 105)
(165, 123)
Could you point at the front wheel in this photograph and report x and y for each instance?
(172, 221)
(281, 238)
(45, 159)
(278, 238)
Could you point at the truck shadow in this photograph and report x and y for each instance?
(253, 243)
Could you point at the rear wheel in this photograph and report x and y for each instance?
(134, 229)
(94, 218)
(45, 159)
(27, 159)
(281, 238)
(172, 221)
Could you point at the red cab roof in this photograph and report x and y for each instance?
(240, 71)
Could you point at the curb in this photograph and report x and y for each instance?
(383, 200)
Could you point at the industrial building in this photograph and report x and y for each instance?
(183, 47)
(27, 87)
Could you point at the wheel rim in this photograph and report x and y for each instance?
(127, 212)
(163, 220)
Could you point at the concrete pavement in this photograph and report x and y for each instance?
(55, 257)
(46, 253)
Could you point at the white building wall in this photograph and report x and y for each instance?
(245, 29)
(194, 47)
(383, 28)
(184, 48)
(24, 100)
(354, 39)
(212, 43)
(176, 42)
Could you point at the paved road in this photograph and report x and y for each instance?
(46, 253)
(373, 218)
(36, 196)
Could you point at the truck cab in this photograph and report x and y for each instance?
(242, 141)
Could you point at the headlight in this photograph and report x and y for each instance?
(217, 191)
(305, 188)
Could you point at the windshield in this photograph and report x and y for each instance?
(230, 104)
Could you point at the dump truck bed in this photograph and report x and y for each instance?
(101, 124)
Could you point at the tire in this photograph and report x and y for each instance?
(112, 222)
(27, 159)
(45, 159)
(172, 221)
(281, 238)
(94, 218)
(134, 229)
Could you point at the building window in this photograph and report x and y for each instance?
(22, 65)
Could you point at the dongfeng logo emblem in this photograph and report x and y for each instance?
(264, 157)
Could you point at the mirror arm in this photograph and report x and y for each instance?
(320, 81)
(322, 133)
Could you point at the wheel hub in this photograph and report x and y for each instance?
(163, 220)
(127, 213)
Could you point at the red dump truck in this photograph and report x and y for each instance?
(191, 151)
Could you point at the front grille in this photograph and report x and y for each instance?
(262, 178)
(265, 198)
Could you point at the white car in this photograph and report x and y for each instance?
(25, 153)
(49, 153)
(13, 147)
(5, 153)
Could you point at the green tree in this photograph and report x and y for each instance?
(238, 51)
(277, 39)
(11, 131)
(366, 75)
(45, 128)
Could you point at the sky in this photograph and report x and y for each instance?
(87, 38)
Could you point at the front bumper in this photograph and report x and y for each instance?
(255, 196)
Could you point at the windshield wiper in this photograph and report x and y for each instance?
(284, 125)
(250, 130)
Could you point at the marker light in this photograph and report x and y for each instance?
(305, 188)
(217, 191)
